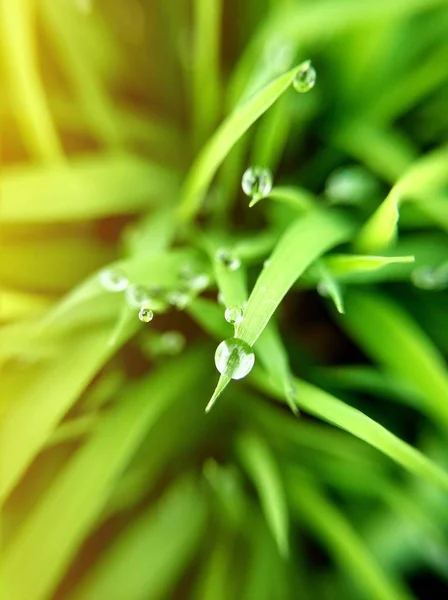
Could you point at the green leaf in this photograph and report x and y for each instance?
(347, 264)
(226, 136)
(392, 338)
(167, 533)
(305, 240)
(312, 508)
(328, 286)
(264, 473)
(70, 507)
(94, 187)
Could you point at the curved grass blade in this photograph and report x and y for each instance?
(167, 533)
(391, 337)
(348, 264)
(329, 408)
(424, 178)
(304, 241)
(329, 286)
(312, 508)
(27, 94)
(295, 197)
(263, 471)
(226, 136)
(70, 507)
(94, 187)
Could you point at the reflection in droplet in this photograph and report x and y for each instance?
(113, 280)
(234, 358)
(305, 78)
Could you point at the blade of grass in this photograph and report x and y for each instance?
(168, 533)
(347, 264)
(392, 338)
(226, 136)
(28, 100)
(305, 240)
(312, 508)
(424, 178)
(205, 69)
(94, 187)
(329, 408)
(71, 506)
(262, 469)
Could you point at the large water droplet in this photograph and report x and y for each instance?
(234, 358)
(233, 315)
(145, 315)
(305, 78)
(137, 295)
(257, 182)
(113, 280)
(229, 260)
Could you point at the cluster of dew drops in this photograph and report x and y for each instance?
(234, 358)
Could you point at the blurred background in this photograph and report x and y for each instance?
(104, 105)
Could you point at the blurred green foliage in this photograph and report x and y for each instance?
(127, 127)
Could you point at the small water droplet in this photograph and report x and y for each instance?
(234, 358)
(178, 298)
(194, 279)
(113, 280)
(322, 289)
(266, 263)
(350, 185)
(257, 182)
(137, 295)
(221, 299)
(430, 278)
(229, 260)
(233, 315)
(305, 78)
(145, 315)
(172, 342)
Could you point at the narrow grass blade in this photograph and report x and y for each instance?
(305, 240)
(72, 505)
(321, 404)
(328, 286)
(94, 187)
(313, 510)
(210, 318)
(226, 136)
(263, 471)
(347, 264)
(215, 581)
(391, 337)
(167, 533)
(205, 71)
(26, 91)
(295, 197)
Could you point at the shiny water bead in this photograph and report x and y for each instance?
(233, 315)
(305, 78)
(113, 280)
(172, 342)
(322, 289)
(350, 185)
(430, 278)
(137, 295)
(145, 315)
(193, 278)
(257, 182)
(229, 260)
(178, 298)
(234, 358)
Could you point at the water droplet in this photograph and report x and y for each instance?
(113, 280)
(266, 263)
(233, 315)
(305, 78)
(195, 280)
(350, 185)
(430, 278)
(221, 299)
(172, 343)
(323, 289)
(257, 182)
(229, 260)
(137, 295)
(178, 298)
(145, 315)
(234, 358)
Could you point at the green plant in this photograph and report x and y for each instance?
(128, 128)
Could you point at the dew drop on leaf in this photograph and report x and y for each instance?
(233, 315)
(234, 358)
(257, 182)
(145, 315)
(137, 295)
(229, 260)
(113, 280)
(305, 79)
